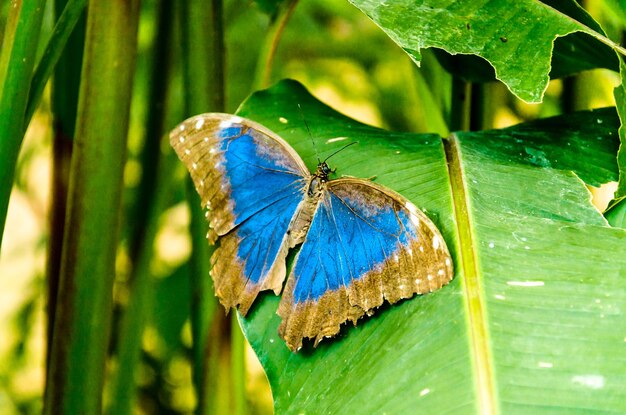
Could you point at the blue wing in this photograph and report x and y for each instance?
(366, 244)
(251, 182)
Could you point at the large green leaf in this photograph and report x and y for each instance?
(515, 37)
(534, 319)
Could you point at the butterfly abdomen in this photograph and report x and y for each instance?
(301, 222)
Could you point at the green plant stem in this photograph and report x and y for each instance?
(19, 49)
(84, 306)
(149, 158)
(203, 52)
(425, 112)
(205, 311)
(460, 110)
(270, 43)
(203, 70)
(64, 103)
(123, 389)
(238, 367)
(61, 158)
(157, 171)
(64, 27)
(218, 380)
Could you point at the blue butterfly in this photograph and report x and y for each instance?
(361, 243)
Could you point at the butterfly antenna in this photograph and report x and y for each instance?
(309, 131)
(341, 149)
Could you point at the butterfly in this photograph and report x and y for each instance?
(361, 243)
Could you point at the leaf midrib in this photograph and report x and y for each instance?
(470, 283)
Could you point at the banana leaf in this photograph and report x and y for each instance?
(533, 321)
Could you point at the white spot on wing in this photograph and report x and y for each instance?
(429, 277)
(199, 123)
(229, 122)
(194, 166)
(436, 242)
(187, 151)
(181, 139)
(448, 261)
(181, 127)
(411, 207)
(415, 220)
(526, 283)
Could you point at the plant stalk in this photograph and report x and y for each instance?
(204, 88)
(460, 109)
(270, 43)
(84, 307)
(152, 195)
(64, 103)
(17, 59)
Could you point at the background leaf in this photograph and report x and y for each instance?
(616, 214)
(526, 325)
(514, 37)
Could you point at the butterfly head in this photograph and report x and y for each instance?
(323, 171)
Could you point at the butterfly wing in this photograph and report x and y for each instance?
(366, 244)
(251, 181)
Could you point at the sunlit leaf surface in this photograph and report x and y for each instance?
(534, 319)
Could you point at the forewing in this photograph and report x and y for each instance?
(238, 166)
(366, 244)
(251, 257)
(251, 182)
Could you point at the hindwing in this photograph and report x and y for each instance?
(366, 244)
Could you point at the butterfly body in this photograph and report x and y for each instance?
(361, 243)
